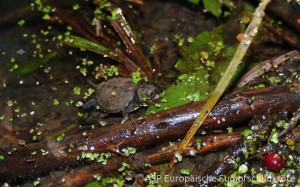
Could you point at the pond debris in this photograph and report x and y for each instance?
(113, 38)
(138, 133)
(261, 127)
(266, 66)
(250, 32)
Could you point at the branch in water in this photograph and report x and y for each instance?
(168, 125)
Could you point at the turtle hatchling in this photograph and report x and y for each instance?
(123, 95)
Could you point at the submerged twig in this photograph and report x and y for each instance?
(250, 32)
(288, 126)
(111, 27)
(266, 66)
(292, 40)
(157, 155)
(249, 146)
(261, 127)
(67, 19)
(127, 35)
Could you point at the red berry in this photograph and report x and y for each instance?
(273, 162)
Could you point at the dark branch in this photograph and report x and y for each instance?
(167, 125)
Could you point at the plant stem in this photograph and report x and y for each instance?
(250, 32)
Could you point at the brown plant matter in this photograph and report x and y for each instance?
(261, 127)
(167, 125)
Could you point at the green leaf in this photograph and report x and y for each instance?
(191, 57)
(185, 171)
(218, 72)
(189, 87)
(246, 132)
(195, 2)
(82, 43)
(29, 66)
(202, 65)
(213, 6)
(136, 76)
(93, 184)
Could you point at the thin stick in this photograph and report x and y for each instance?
(266, 66)
(223, 83)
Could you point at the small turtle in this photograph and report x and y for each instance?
(123, 95)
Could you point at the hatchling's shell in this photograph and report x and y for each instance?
(114, 95)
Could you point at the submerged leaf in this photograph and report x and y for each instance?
(84, 44)
(29, 66)
(202, 43)
(190, 87)
(213, 6)
(203, 64)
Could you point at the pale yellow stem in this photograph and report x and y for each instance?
(250, 32)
